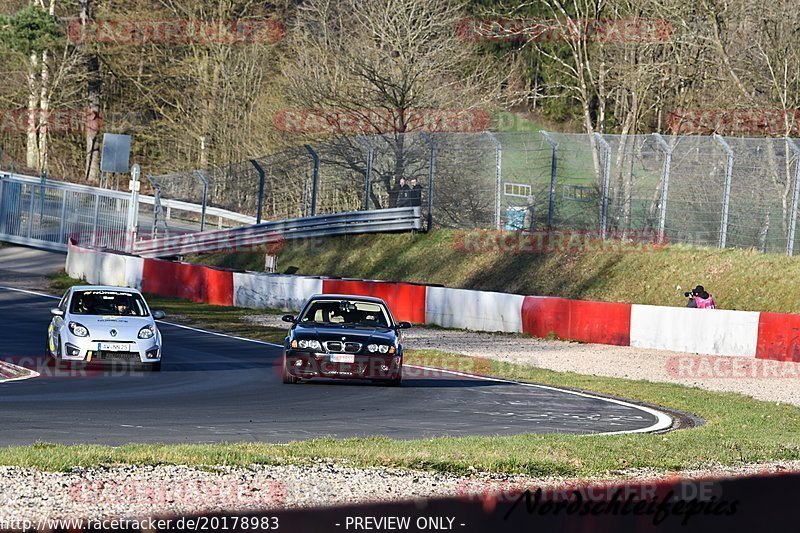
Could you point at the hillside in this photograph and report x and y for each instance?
(739, 279)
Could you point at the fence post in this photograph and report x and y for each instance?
(156, 206)
(662, 215)
(795, 196)
(43, 181)
(30, 211)
(551, 206)
(204, 181)
(2, 205)
(368, 176)
(606, 182)
(431, 173)
(314, 179)
(726, 199)
(498, 176)
(133, 208)
(261, 177)
(96, 218)
(61, 236)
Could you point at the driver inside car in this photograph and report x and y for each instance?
(123, 308)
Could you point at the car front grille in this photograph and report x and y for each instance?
(339, 347)
(118, 356)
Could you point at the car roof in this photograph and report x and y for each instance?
(104, 288)
(372, 299)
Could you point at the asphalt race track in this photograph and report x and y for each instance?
(217, 388)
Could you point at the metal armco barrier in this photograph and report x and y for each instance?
(382, 220)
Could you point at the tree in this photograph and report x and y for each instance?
(388, 65)
(32, 32)
(94, 84)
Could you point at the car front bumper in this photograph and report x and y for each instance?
(304, 364)
(90, 350)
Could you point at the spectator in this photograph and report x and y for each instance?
(701, 299)
(415, 195)
(403, 194)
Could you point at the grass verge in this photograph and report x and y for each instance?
(739, 430)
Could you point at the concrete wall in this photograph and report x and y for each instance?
(475, 310)
(703, 331)
(273, 291)
(713, 332)
(104, 268)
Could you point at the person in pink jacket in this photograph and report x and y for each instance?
(702, 298)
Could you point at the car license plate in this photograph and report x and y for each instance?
(114, 347)
(343, 358)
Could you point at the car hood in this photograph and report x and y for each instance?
(127, 327)
(362, 334)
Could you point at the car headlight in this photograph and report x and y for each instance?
(380, 348)
(309, 344)
(79, 330)
(147, 332)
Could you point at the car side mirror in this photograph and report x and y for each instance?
(403, 325)
(56, 312)
(288, 318)
(158, 315)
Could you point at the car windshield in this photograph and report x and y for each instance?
(113, 303)
(346, 312)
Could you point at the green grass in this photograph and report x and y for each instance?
(739, 430)
(739, 279)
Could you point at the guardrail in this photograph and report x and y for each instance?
(382, 220)
(221, 214)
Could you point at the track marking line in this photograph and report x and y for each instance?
(32, 373)
(663, 420)
(35, 293)
(218, 334)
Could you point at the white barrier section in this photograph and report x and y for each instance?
(475, 310)
(104, 268)
(702, 331)
(274, 291)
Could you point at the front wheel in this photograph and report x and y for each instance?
(54, 358)
(153, 367)
(286, 376)
(48, 355)
(397, 381)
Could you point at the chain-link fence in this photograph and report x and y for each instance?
(705, 190)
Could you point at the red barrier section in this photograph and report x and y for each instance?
(544, 315)
(600, 322)
(191, 282)
(406, 301)
(578, 320)
(778, 337)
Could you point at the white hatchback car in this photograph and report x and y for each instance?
(101, 324)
